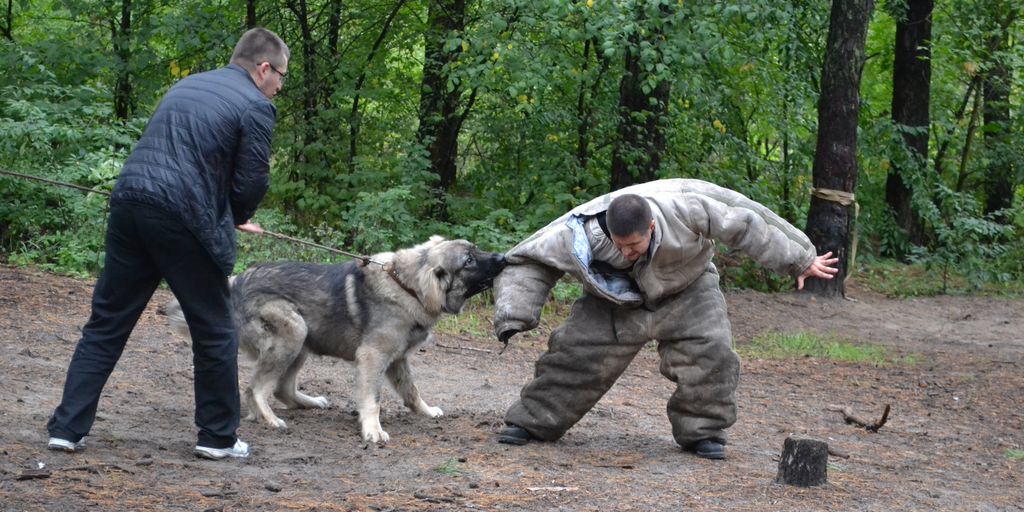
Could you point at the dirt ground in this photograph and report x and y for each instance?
(951, 442)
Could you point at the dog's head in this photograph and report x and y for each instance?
(449, 272)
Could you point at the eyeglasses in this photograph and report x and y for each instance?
(283, 75)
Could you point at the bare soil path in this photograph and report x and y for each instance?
(952, 441)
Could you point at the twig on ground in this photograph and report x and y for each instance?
(33, 474)
(455, 347)
(432, 499)
(836, 452)
(849, 417)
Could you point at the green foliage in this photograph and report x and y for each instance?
(738, 271)
(1014, 454)
(379, 219)
(540, 116)
(775, 345)
(900, 280)
(59, 132)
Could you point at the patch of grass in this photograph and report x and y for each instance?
(477, 317)
(775, 345)
(899, 280)
(1014, 454)
(474, 320)
(449, 467)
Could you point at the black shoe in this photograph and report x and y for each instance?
(710, 448)
(514, 434)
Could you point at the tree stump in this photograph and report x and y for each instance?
(804, 462)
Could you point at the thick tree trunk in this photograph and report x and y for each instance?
(911, 84)
(636, 154)
(440, 121)
(124, 102)
(835, 160)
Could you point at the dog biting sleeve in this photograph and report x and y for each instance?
(519, 294)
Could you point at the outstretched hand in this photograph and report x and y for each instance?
(822, 267)
(250, 227)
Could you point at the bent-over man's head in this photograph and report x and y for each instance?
(265, 56)
(631, 224)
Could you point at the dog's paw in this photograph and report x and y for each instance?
(319, 402)
(431, 412)
(377, 436)
(276, 422)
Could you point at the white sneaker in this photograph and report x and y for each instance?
(63, 445)
(239, 450)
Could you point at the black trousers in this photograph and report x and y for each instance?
(143, 245)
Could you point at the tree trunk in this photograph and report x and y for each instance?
(310, 80)
(583, 113)
(636, 154)
(835, 159)
(250, 14)
(1000, 171)
(584, 107)
(334, 29)
(439, 120)
(124, 103)
(940, 155)
(911, 84)
(355, 118)
(9, 29)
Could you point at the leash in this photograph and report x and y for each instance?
(365, 260)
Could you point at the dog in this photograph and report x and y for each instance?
(372, 314)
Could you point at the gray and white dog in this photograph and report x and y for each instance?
(372, 315)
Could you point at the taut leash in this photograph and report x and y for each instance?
(363, 258)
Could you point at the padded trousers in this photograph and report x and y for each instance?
(588, 353)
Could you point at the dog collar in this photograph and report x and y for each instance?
(394, 275)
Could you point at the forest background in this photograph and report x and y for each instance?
(486, 119)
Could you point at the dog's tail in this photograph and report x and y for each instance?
(176, 317)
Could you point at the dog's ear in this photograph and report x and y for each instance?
(432, 284)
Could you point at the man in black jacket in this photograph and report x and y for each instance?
(199, 171)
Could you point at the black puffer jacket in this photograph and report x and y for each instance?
(205, 157)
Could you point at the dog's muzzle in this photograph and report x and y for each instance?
(491, 269)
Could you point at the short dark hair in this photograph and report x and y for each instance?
(628, 214)
(260, 45)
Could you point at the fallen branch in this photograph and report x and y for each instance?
(850, 418)
(33, 474)
(465, 348)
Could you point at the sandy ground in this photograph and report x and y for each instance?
(952, 441)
